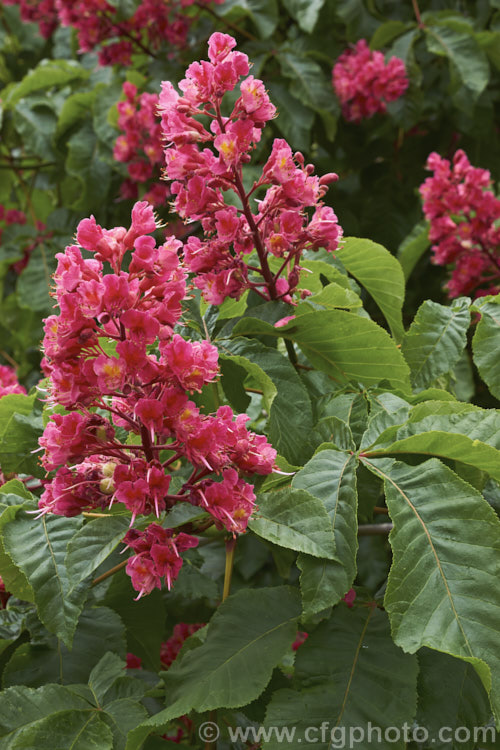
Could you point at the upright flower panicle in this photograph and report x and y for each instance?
(112, 348)
(204, 160)
(364, 83)
(464, 216)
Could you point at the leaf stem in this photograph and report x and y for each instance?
(228, 573)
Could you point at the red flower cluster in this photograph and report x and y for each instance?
(464, 217)
(99, 24)
(8, 382)
(112, 348)
(9, 217)
(170, 648)
(140, 145)
(282, 227)
(365, 83)
(42, 12)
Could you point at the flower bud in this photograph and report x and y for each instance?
(107, 485)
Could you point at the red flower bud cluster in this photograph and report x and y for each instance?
(365, 83)
(99, 24)
(8, 382)
(112, 348)
(289, 218)
(170, 648)
(464, 216)
(140, 145)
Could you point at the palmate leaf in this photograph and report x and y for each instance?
(381, 275)
(436, 339)
(246, 638)
(330, 476)
(444, 585)
(345, 346)
(38, 548)
(350, 673)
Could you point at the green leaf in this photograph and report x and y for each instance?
(38, 548)
(435, 340)
(144, 620)
(352, 676)
(463, 52)
(75, 729)
(35, 282)
(92, 544)
(381, 275)
(332, 296)
(486, 342)
(247, 636)
(450, 695)
(99, 630)
(294, 120)
(296, 520)
(413, 247)
(443, 589)
(46, 75)
(104, 674)
(310, 86)
(305, 12)
(22, 708)
(471, 437)
(286, 399)
(75, 109)
(92, 172)
(14, 579)
(330, 476)
(263, 13)
(386, 32)
(345, 346)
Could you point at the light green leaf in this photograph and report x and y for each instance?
(381, 275)
(46, 75)
(351, 676)
(296, 520)
(38, 548)
(413, 247)
(486, 342)
(246, 639)
(386, 32)
(456, 431)
(345, 346)
(444, 585)
(436, 339)
(330, 476)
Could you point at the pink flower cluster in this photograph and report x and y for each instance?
(170, 648)
(140, 145)
(9, 217)
(8, 382)
(290, 217)
(365, 83)
(99, 24)
(464, 216)
(112, 348)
